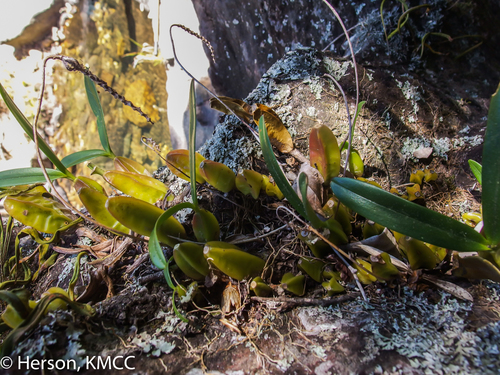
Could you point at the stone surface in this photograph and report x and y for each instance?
(248, 37)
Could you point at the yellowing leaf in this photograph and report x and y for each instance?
(278, 134)
(324, 153)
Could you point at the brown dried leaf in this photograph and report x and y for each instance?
(278, 134)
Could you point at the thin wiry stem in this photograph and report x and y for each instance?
(72, 64)
(355, 75)
(189, 31)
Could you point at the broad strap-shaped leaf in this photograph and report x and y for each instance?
(83, 156)
(406, 217)
(275, 170)
(26, 176)
(28, 129)
(95, 104)
(477, 170)
(192, 142)
(491, 172)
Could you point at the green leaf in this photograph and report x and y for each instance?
(192, 142)
(311, 214)
(95, 104)
(276, 172)
(28, 128)
(405, 217)
(476, 169)
(491, 172)
(82, 156)
(155, 251)
(26, 176)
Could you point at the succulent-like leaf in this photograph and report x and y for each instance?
(178, 163)
(332, 287)
(85, 182)
(233, 261)
(414, 192)
(205, 226)
(313, 267)
(260, 288)
(318, 247)
(419, 255)
(356, 165)
(95, 203)
(294, 284)
(430, 175)
(490, 173)
(271, 188)
(218, 175)
(475, 267)
(141, 217)
(477, 170)
(371, 229)
(324, 153)
(278, 134)
(249, 182)
(137, 185)
(340, 213)
(383, 268)
(189, 258)
(406, 217)
(39, 211)
(128, 165)
(276, 172)
(27, 176)
(363, 276)
(417, 176)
